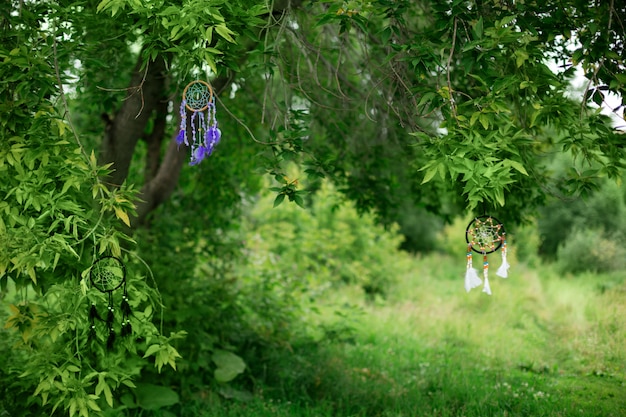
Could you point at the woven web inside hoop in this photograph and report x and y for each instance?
(485, 234)
(197, 95)
(108, 274)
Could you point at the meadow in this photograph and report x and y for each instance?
(543, 344)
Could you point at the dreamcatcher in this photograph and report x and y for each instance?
(107, 275)
(484, 235)
(199, 99)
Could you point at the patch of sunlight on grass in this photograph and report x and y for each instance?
(534, 317)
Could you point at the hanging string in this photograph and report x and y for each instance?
(110, 321)
(471, 275)
(127, 328)
(486, 287)
(504, 268)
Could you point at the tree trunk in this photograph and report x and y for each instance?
(147, 89)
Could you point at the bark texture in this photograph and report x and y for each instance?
(146, 91)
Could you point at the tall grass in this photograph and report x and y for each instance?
(541, 345)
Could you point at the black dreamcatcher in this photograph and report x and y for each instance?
(107, 275)
(484, 235)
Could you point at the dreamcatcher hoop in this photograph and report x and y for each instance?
(197, 96)
(485, 234)
(107, 274)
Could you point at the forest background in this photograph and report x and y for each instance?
(325, 234)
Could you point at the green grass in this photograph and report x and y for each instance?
(541, 345)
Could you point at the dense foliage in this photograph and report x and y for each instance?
(407, 107)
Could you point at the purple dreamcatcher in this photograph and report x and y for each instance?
(203, 135)
(107, 275)
(484, 235)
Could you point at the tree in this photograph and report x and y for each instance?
(444, 105)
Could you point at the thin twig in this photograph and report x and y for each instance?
(452, 104)
(242, 124)
(282, 23)
(406, 87)
(135, 89)
(64, 99)
(599, 64)
(140, 88)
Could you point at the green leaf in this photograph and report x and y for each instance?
(505, 21)
(213, 51)
(121, 214)
(521, 56)
(208, 58)
(428, 97)
(298, 200)
(484, 120)
(128, 383)
(621, 78)
(153, 397)
(73, 406)
(499, 194)
(474, 118)
(517, 166)
(103, 5)
(108, 395)
(152, 350)
(228, 364)
(430, 173)
(94, 406)
(478, 28)
(279, 199)
(225, 33)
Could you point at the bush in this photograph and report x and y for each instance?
(603, 211)
(591, 250)
(328, 245)
(249, 286)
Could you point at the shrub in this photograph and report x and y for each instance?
(603, 211)
(249, 286)
(327, 245)
(591, 250)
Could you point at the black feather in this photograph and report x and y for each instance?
(93, 313)
(111, 339)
